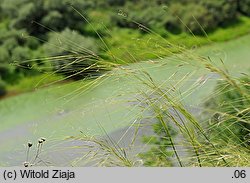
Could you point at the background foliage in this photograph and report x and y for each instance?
(27, 26)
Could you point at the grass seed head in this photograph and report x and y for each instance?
(26, 164)
(30, 144)
(40, 141)
(43, 139)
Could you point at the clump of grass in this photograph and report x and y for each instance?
(191, 135)
(103, 152)
(230, 110)
(219, 144)
(170, 112)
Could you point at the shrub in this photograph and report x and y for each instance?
(78, 54)
(116, 2)
(172, 24)
(199, 19)
(56, 15)
(244, 7)
(149, 15)
(205, 15)
(159, 154)
(223, 11)
(4, 57)
(182, 15)
(231, 120)
(2, 88)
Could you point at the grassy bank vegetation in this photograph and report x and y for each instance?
(122, 52)
(130, 29)
(218, 136)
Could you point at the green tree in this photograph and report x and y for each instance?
(244, 7)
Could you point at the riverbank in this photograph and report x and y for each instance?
(70, 108)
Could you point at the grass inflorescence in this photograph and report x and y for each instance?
(211, 136)
(36, 159)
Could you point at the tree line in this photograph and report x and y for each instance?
(31, 29)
